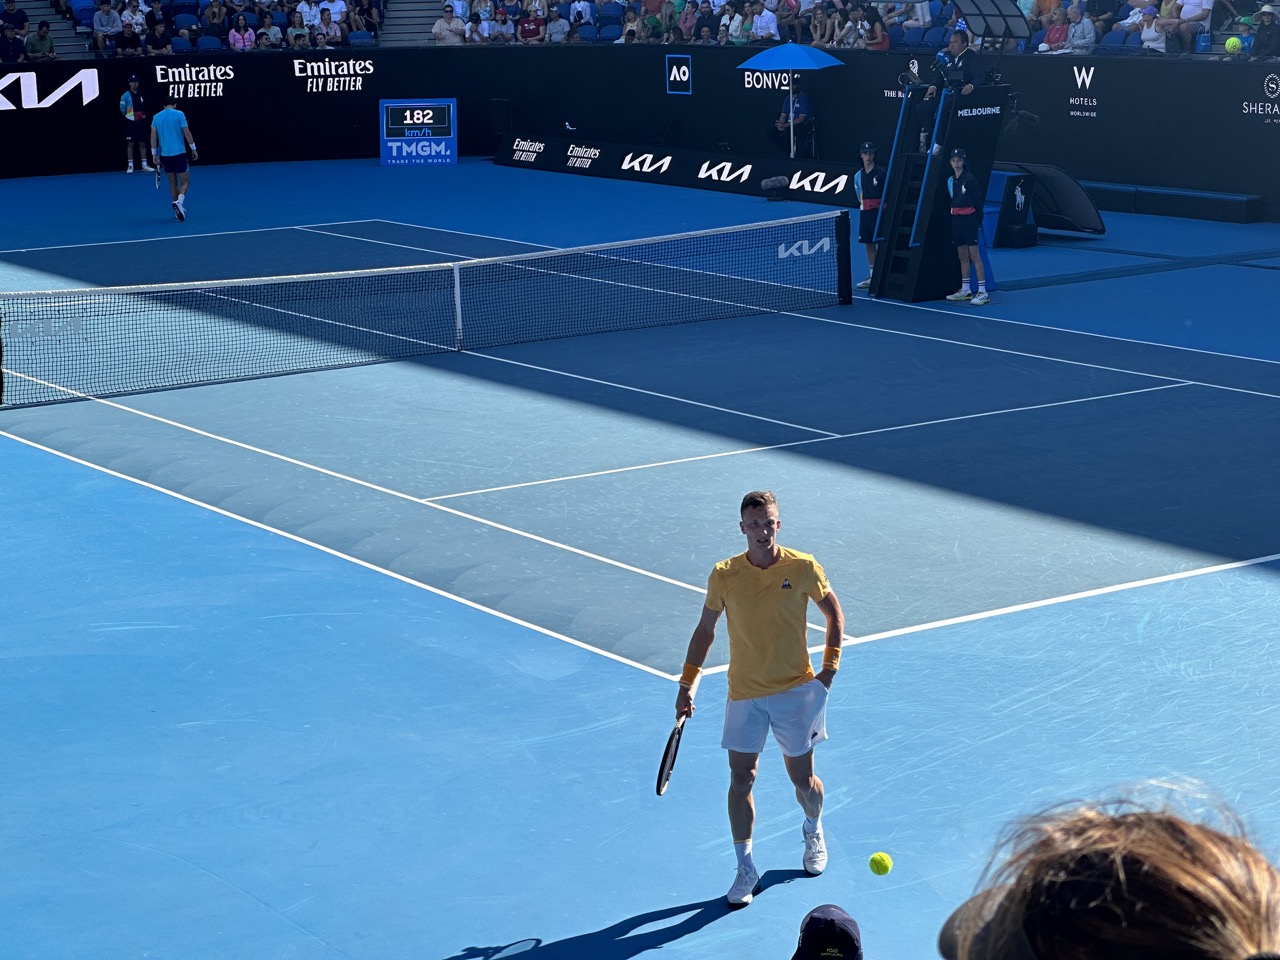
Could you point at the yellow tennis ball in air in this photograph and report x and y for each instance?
(1234, 44)
(880, 863)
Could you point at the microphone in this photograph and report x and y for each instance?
(773, 187)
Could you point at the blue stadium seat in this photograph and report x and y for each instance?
(185, 7)
(934, 37)
(1037, 38)
(564, 11)
(1133, 41)
(609, 13)
(912, 37)
(610, 32)
(181, 45)
(895, 35)
(1112, 43)
(185, 21)
(209, 45)
(935, 10)
(360, 38)
(84, 16)
(587, 33)
(250, 18)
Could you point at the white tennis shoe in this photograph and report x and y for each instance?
(815, 851)
(744, 887)
(863, 284)
(979, 299)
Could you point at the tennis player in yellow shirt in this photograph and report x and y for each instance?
(772, 686)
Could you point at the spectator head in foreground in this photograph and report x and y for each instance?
(828, 933)
(1120, 880)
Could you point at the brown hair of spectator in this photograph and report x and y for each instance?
(758, 498)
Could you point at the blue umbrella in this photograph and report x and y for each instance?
(791, 57)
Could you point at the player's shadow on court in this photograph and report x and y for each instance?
(619, 941)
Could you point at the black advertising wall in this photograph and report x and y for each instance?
(1194, 125)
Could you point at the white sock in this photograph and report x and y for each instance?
(743, 852)
(811, 824)
(982, 286)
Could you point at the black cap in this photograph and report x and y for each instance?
(867, 147)
(135, 79)
(959, 152)
(828, 932)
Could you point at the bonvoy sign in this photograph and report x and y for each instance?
(29, 90)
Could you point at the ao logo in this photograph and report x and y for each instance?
(803, 248)
(679, 71)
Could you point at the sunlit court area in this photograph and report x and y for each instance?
(357, 523)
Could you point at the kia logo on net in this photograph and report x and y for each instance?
(1084, 77)
(817, 182)
(803, 248)
(723, 172)
(645, 163)
(29, 92)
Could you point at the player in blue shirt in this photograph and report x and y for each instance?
(966, 221)
(170, 139)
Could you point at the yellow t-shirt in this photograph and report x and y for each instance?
(766, 609)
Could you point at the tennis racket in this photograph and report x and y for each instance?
(157, 159)
(669, 756)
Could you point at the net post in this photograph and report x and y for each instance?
(457, 308)
(844, 265)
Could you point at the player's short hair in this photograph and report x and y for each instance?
(756, 499)
(963, 35)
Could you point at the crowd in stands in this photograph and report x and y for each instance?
(140, 28)
(1057, 27)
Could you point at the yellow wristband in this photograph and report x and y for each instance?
(689, 676)
(831, 658)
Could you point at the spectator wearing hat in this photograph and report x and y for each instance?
(532, 29)
(39, 45)
(133, 13)
(500, 29)
(21, 22)
(795, 121)
(106, 27)
(137, 131)
(1266, 37)
(12, 48)
(129, 43)
(557, 27)
(966, 221)
(868, 184)
(1152, 33)
(828, 933)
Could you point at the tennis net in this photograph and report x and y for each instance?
(109, 341)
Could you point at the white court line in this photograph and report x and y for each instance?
(387, 243)
(342, 556)
(1080, 333)
(463, 233)
(183, 236)
(797, 443)
(1023, 353)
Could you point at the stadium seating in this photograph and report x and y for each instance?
(913, 37)
(934, 37)
(1113, 43)
(587, 33)
(209, 45)
(1133, 42)
(185, 21)
(360, 38)
(181, 45)
(610, 32)
(609, 13)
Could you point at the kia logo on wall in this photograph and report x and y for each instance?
(29, 90)
(723, 172)
(645, 163)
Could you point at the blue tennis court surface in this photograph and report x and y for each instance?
(377, 662)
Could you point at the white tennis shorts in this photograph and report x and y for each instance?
(797, 717)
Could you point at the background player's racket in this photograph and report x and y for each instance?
(157, 173)
(669, 756)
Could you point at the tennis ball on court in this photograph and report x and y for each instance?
(880, 864)
(1234, 44)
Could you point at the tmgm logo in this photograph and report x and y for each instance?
(426, 147)
(29, 93)
(723, 172)
(803, 248)
(645, 163)
(679, 73)
(1084, 77)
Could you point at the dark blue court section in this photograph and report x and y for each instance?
(375, 663)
